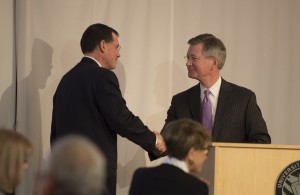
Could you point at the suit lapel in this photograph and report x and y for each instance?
(194, 102)
(223, 102)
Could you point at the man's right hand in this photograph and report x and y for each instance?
(160, 145)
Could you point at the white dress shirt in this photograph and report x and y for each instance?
(213, 96)
(177, 163)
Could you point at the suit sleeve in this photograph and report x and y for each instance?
(118, 117)
(53, 125)
(171, 115)
(255, 124)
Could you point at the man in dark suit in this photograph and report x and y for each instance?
(234, 113)
(187, 143)
(88, 101)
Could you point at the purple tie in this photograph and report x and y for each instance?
(207, 111)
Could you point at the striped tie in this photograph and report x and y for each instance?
(207, 111)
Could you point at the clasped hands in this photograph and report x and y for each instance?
(160, 145)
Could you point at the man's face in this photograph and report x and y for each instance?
(197, 157)
(199, 67)
(112, 53)
(200, 158)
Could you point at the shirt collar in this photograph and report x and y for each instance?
(177, 163)
(93, 59)
(214, 90)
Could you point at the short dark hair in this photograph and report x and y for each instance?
(94, 34)
(212, 47)
(182, 135)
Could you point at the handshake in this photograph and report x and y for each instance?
(160, 143)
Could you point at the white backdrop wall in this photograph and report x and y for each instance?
(7, 64)
(261, 36)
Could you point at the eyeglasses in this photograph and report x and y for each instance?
(193, 58)
(207, 149)
(118, 47)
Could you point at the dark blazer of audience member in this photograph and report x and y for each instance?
(88, 101)
(15, 150)
(236, 114)
(187, 142)
(75, 166)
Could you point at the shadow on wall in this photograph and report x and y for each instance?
(70, 56)
(169, 78)
(120, 72)
(29, 107)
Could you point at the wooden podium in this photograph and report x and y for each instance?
(247, 169)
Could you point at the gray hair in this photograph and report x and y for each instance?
(212, 47)
(77, 167)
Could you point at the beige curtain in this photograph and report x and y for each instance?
(7, 64)
(262, 40)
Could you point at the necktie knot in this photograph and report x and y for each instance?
(206, 93)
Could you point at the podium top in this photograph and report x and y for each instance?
(254, 145)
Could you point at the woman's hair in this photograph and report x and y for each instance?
(14, 152)
(182, 135)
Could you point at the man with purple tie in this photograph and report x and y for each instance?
(233, 114)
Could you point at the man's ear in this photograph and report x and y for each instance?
(191, 154)
(215, 63)
(102, 46)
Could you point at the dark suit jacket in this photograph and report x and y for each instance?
(237, 119)
(166, 179)
(88, 102)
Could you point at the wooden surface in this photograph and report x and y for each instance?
(247, 169)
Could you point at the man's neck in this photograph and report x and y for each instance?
(207, 83)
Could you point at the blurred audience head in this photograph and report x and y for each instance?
(187, 140)
(15, 150)
(74, 167)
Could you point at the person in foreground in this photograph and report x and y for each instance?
(15, 149)
(75, 166)
(187, 144)
(230, 112)
(88, 102)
